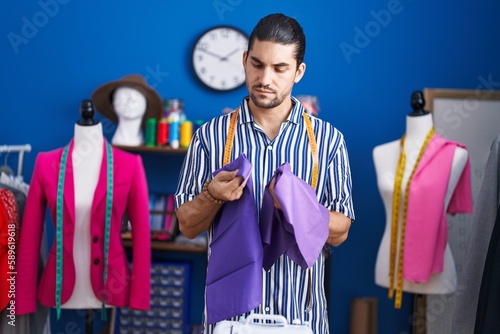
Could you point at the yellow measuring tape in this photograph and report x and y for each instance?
(395, 219)
(310, 135)
(314, 150)
(230, 137)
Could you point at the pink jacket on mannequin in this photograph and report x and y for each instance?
(124, 287)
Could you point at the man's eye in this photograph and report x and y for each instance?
(256, 65)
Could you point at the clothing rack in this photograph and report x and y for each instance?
(20, 149)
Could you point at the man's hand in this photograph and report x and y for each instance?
(338, 228)
(271, 191)
(196, 216)
(227, 186)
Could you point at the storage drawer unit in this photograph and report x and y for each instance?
(169, 312)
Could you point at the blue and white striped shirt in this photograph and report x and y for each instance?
(286, 285)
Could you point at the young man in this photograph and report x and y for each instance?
(271, 129)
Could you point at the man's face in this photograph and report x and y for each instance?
(271, 70)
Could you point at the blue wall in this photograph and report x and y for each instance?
(363, 61)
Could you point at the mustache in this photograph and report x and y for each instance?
(266, 88)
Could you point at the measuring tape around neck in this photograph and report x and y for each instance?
(310, 135)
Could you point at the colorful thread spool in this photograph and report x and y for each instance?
(151, 132)
(174, 134)
(186, 133)
(162, 136)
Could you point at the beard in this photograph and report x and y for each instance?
(268, 104)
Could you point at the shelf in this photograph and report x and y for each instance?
(169, 246)
(153, 149)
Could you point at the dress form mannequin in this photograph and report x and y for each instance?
(87, 158)
(130, 106)
(418, 124)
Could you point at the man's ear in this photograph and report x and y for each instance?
(245, 55)
(300, 72)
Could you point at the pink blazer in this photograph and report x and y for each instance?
(124, 287)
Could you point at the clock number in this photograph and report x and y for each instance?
(224, 33)
(223, 83)
(203, 46)
(203, 70)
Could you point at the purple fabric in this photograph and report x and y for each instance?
(300, 229)
(234, 274)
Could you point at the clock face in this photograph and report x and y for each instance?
(217, 58)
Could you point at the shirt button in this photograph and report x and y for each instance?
(267, 309)
(96, 261)
(95, 239)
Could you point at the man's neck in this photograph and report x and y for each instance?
(270, 119)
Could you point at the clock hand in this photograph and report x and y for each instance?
(212, 54)
(230, 54)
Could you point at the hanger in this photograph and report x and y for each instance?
(21, 149)
(7, 175)
(5, 168)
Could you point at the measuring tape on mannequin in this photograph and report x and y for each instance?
(395, 220)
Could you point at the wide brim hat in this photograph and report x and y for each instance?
(102, 97)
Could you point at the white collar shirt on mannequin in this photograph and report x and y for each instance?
(130, 106)
(87, 159)
(386, 160)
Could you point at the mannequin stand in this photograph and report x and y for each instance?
(419, 320)
(89, 321)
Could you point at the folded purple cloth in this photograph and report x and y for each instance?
(300, 228)
(234, 273)
(240, 248)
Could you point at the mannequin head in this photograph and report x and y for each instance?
(129, 101)
(417, 102)
(128, 104)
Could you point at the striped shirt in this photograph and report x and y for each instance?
(286, 285)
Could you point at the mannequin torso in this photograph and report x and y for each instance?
(386, 160)
(87, 159)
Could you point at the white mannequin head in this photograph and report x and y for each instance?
(130, 106)
(129, 103)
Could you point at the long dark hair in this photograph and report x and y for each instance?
(281, 29)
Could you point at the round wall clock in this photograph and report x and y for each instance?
(217, 57)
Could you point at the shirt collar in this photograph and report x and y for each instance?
(294, 117)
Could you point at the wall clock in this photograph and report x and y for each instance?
(217, 57)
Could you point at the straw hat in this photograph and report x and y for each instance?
(103, 97)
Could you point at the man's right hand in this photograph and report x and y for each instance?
(227, 186)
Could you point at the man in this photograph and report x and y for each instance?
(271, 130)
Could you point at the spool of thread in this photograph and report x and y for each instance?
(197, 125)
(151, 132)
(162, 136)
(186, 133)
(174, 134)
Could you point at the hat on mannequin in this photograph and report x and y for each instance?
(103, 97)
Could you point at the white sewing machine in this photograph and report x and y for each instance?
(275, 324)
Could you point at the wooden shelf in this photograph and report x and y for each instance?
(153, 149)
(169, 246)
